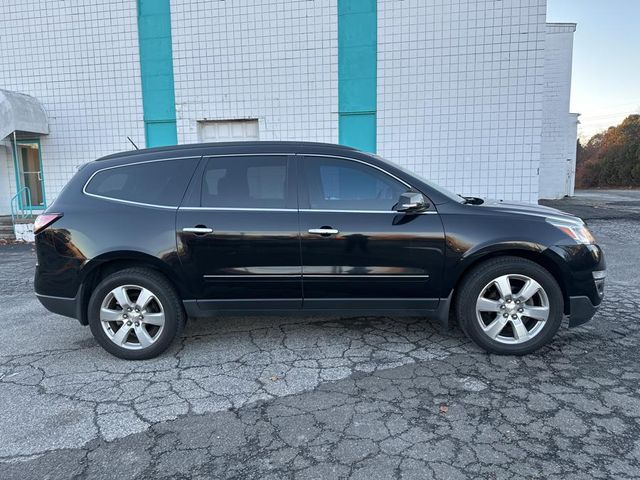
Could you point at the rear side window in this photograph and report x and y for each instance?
(245, 182)
(156, 183)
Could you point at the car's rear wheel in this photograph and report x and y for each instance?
(510, 306)
(135, 314)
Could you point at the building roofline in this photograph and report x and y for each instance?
(561, 26)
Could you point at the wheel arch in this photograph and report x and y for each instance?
(544, 258)
(104, 265)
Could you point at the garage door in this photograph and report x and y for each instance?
(228, 130)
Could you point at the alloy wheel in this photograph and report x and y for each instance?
(132, 317)
(512, 309)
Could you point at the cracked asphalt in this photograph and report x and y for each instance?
(321, 398)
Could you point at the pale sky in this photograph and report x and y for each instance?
(606, 59)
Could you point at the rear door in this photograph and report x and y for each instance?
(357, 252)
(238, 237)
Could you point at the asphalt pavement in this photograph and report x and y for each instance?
(321, 398)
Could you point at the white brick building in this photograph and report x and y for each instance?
(559, 127)
(472, 94)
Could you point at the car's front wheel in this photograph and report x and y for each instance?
(510, 306)
(135, 314)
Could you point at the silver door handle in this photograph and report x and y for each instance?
(323, 231)
(197, 230)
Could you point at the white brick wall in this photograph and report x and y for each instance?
(80, 59)
(460, 92)
(460, 83)
(571, 139)
(272, 61)
(557, 162)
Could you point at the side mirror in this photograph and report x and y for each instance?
(410, 201)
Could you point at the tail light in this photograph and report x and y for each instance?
(44, 220)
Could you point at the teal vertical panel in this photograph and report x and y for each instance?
(357, 73)
(358, 130)
(156, 70)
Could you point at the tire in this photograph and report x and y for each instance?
(148, 328)
(492, 306)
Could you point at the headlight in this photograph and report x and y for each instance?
(578, 231)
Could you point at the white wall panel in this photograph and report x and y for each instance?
(272, 61)
(460, 88)
(557, 162)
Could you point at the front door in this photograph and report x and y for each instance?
(357, 252)
(238, 241)
(29, 174)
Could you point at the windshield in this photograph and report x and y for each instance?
(447, 193)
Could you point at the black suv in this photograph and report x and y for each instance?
(139, 241)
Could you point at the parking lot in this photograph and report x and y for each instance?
(366, 397)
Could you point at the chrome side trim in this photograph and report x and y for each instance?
(368, 299)
(322, 210)
(306, 210)
(264, 275)
(131, 202)
(239, 209)
(347, 275)
(174, 207)
(320, 275)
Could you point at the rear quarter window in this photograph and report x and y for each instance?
(157, 183)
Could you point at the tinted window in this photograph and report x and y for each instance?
(249, 182)
(156, 183)
(335, 184)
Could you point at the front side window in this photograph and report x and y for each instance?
(157, 183)
(245, 182)
(335, 184)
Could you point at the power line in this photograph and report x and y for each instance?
(608, 115)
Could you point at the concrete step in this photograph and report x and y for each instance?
(7, 235)
(6, 220)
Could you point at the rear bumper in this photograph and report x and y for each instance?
(582, 310)
(67, 307)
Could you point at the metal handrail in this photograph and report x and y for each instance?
(19, 211)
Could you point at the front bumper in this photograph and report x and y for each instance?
(582, 307)
(582, 310)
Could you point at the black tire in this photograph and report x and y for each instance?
(174, 315)
(472, 287)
